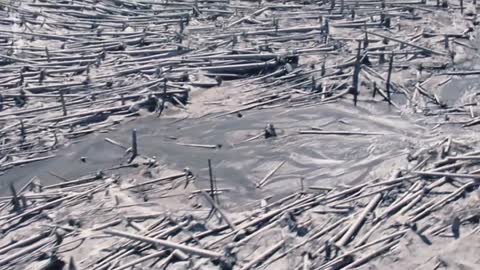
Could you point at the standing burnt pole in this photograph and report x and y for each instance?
(212, 181)
(356, 73)
(389, 77)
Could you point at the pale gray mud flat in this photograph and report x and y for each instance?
(341, 135)
(320, 160)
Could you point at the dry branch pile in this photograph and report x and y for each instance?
(70, 68)
(116, 222)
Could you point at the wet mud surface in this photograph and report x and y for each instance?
(321, 160)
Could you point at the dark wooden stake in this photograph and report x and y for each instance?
(389, 77)
(134, 145)
(164, 97)
(47, 54)
(62, 100)
(212, 185)
(356, 73)
(234, 41)
(365, 40)
(16, 203)
(182, 27)
(328, 251)
(23, 133)
(327, 31)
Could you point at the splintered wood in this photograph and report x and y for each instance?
(113, 223)
(72, 68)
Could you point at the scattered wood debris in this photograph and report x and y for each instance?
(72, 68)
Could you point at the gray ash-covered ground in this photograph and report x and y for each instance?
(367, 170)
(325, 160)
